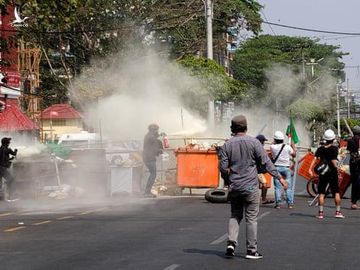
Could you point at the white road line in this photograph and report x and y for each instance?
(172, 267)
(225, 236)
(220, 239)
(263, 215)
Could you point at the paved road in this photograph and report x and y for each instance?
(170, 233)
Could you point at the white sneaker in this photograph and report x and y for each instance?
(338, 214)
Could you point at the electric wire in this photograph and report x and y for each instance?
(311, 29)
(272, 30)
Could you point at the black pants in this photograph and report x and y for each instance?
(355, 184)
(4, 172)
(331, 179)
(151, 165)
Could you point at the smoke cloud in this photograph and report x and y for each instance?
(133, 92)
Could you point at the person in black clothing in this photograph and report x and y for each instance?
(6, 155)
(152, 148)
(328, 154)
(353, 148)
(262, 139)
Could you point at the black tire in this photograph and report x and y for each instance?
(216, 195)
(311, 189)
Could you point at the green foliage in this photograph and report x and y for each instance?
(74, 32)
(182, 23)
(214, 83)
(258, 54)
(307, 110)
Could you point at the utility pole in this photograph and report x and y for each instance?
(338, 107)
(348, 98)
(210, 55)
(209, 31)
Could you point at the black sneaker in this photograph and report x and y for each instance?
(253, 255)
(230, 250)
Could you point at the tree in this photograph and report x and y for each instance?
(274, 65)
(214, 83)
(74, 32)
(259, 53)
(182, 23)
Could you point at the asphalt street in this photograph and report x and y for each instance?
(169, 233)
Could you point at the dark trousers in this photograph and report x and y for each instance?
(151, 165)
(4, 172)
(355, 184)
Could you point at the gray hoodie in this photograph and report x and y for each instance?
(241, 154)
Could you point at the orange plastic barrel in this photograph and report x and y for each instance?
(197, 168)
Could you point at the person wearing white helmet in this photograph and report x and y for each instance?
(281, 156)
(327, 154)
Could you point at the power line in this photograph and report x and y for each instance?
(312, 30)
(123, 28)
(272, 30)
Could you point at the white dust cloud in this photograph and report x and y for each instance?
(135, 93)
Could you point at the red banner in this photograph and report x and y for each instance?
(13, 79)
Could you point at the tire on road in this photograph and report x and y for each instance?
(217, 195)
(311, 189)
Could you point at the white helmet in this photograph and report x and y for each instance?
(278, 135)
(329, 135)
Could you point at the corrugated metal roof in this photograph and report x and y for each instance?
(60, 111)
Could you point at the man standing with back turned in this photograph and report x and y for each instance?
(239, 157)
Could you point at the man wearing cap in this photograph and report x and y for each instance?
(239, 157)
(6, 155)
(353, 148)
(152, 148)
(262, 139)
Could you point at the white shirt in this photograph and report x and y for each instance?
(285, 155)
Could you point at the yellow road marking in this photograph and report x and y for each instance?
(91, 211)
(6, 214)
(15, 229)
(66, 217)
(26, 212)
(86, 212)
(42, 222)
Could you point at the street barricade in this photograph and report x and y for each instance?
(197, 168)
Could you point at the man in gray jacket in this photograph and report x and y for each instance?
(239, 157)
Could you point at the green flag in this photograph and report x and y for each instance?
(291, 131)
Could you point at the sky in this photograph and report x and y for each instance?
(329, 15)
